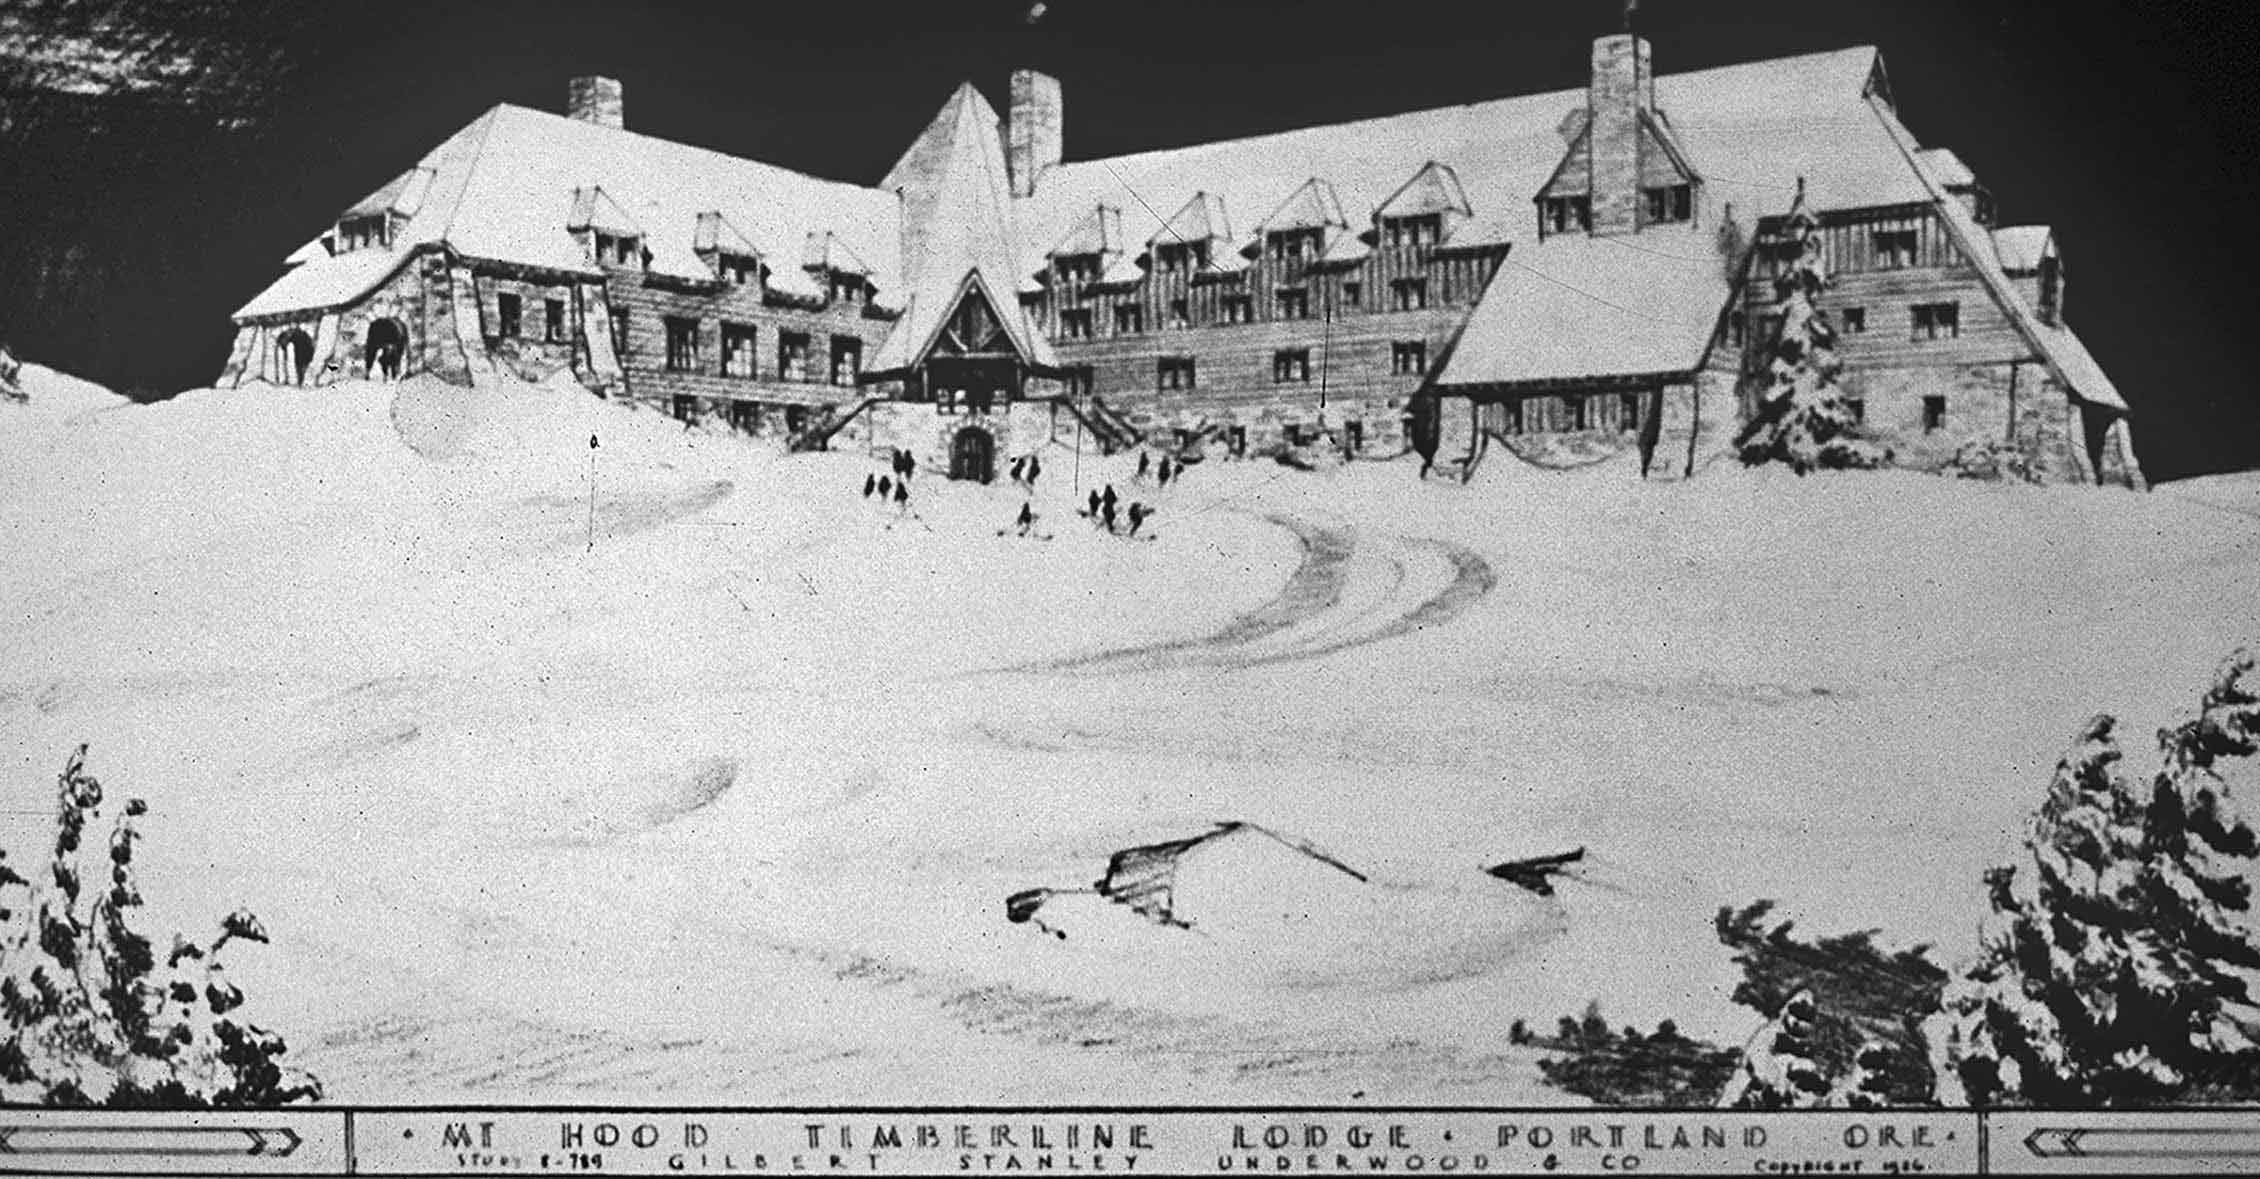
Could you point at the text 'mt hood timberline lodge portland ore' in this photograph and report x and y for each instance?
(1560, 275)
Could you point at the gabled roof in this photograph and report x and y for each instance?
(1201, 219)
(1948, 167)
(1313, 206)
(403, 195)
(825, 251)
(923, 319)
(502, 189)
(594, 210)
(1433, 189)
(2022, 247)
(715, 235)
(1122, 271)
(1099, 233)
(1345, 249)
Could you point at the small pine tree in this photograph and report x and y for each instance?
(1777, 1069)
(2121, 969)
(90, 1016)
(1800, 417)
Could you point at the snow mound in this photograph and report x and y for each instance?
(60, 395)
(625, 806)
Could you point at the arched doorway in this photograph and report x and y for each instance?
(294, 354)
(973, 455)
(386, 351)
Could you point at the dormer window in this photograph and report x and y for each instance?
(741, 272)
(1408, 294)
(1294, 304)
(617, 250)
(1669, 204)
(361, 233)
(1181, 256)
(1076, 268)
(1294, 245)
(1565, 214)
(847, 288)
(1413, 231)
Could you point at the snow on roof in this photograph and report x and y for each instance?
(828, 252)
(1123, 271)
(1594, 307)
(327, 283)
(1433, 189)
(503, 189)
(1949, 168)
(1750, 129)
(1347, 247)
(1313, 206)
(403, 195)
(2021, 247)
(786, 278)
(1202, 219)
(716, 235)
(1099, 233)
(594, 210)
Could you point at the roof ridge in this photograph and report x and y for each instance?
(470, 171)
(693, 147)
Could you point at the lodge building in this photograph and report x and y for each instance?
(1550, 279)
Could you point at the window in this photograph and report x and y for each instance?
(847, 288)
(741, 272)
(1238, 308)
(1294, 304)
(1628, 412)
(1075, 323)
(506, 315)
(1408, 357)
(620, 332)
(1077, 268)
(1236, 438)
(1670, 203)
(1180, 315)
(847, 359)
(1408, 294)
(1294, 245)
(1563, 214)
(553, 320)
(1937, 321)
(1129, 317)
(1934, 413)
(1174, 372)
(1858, 407)
(738, 340)
(1738, 328)
(1353, 294)
(1353, 435)
(682, 345)
(1413, 231)
(685, 408)
(1291, 366)
(792, 356)
(1894, 248)
(1177, 257)
(1082, 380)
(1855, 320)
(619, 251)
(2051, 290)
(1580, 412)
(359, 233)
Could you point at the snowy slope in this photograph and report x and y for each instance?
(716, 791)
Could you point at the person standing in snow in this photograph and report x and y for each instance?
(1035, 468)
(1163, 476)
(1106, 515)
(1018, 465)
(1094, 512)
(886, 488)
(1027, 518)
(1108, 500)
(1144, 464)
(1137, 518)
(902, 496)
(870, 484)
(909, 465)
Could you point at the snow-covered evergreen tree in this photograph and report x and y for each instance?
(1777, 1069)
(1800, 417)
(1868, 1085)
(2121, 968)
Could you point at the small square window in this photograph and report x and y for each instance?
(1291, 367)
(1409, 294)
(1180, 314)
(1934, 413)
(1408, 357)
(1294, 304)
(1075, 323)
(1669, 204)
(1855, 320)
(1353, 294)
(1858, 407)
(1936, 321)
(1129, 318)
(1238, 308)
(1174, 373)
(1894, 248)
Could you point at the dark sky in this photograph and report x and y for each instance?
(140, 221)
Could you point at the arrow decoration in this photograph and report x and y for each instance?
(2146, 1142)
(169, 1141)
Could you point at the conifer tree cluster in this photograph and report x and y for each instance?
(1800, 417)
(90, 1013)
(2120, 967)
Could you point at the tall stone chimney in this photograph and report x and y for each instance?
(1623, 86)
(597, 100)
(1035, 128)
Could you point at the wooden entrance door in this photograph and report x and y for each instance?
(973, 455)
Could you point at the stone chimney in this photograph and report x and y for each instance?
(1035, 129)
(596, 100)
(1623, 86)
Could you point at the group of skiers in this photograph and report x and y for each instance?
(894, 487)
(1103, 512)
(1024, 472)
(1163, 474)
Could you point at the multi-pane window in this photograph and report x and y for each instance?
(1294, 245)
(1128, 318)
(682, 345)
(738, 341)
(620, 331)
(1078, 267)
(1894, 248)
(1174, 372)
(1294, 304)
(1934, 412)
(741, 271)
(1413, 231)
(506, 315)
(619, 251)
(1855, 320)
(685, 407)
(847, 288)
(553, 320)
(1408, 294)
(1564, 214)
(792, 356)
(1353, 294)
(1669, 203)
(359, 233)
(1291, 366)
(1937, 321)
(1237, 308)
(1180, 316)
(847, 359)
(1181, 256)
(1408, 357)
(1075, 323)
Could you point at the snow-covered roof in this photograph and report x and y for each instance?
(403, 195)
(825, 251)
(1576, 306)
(1433, 189)
(1201, 219)
(506, 186)
(1313, 206)
(1949, 168)
(327, 283)
(2022, 247)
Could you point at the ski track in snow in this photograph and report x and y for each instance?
(1350, 590)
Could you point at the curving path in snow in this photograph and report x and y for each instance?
(1350, 589)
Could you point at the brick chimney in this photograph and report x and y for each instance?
(1623, 86)
(596, 100)
(1035, 129)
